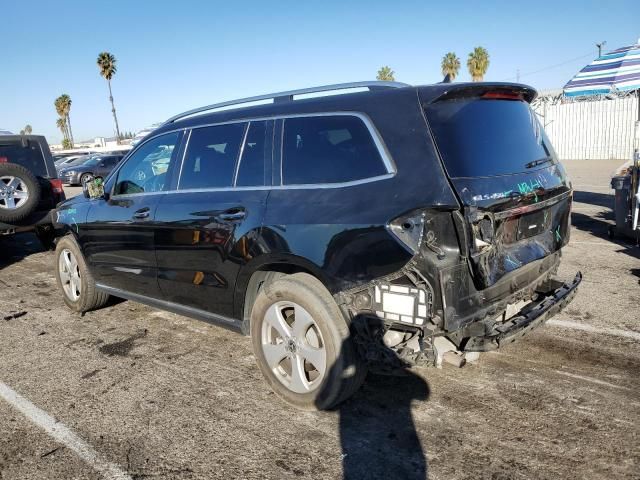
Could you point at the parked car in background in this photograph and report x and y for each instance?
(397, 226)
(76, 173)
(29, 186)
(67, 160)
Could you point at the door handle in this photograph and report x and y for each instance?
(142, 213)
(231, 215)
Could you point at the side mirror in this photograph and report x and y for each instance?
(93, 188)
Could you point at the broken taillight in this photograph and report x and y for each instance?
(56, 185)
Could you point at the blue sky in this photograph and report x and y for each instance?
(173, 56)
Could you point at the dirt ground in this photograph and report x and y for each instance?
(157, 395)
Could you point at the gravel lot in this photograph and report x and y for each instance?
(139, 393)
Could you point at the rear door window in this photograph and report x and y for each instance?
(251, 171)
(487, 137)
(328, 149)
(212, 155)
(29, 156)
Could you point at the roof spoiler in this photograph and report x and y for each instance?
(498, 91)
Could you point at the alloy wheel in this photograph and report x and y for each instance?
(69, 275)
(13, 192)
(293, 347)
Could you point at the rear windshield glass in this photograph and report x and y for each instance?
(29, 157)
(479, 138)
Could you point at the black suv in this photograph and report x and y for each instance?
(395, 226)
(29, 187)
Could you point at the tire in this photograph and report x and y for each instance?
(302, 298)
(77, 285)
(19, 192)
(84, 177)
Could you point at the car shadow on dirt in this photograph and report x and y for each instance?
(378, 436)
(598, 226)
(14, 248)
(598, 199)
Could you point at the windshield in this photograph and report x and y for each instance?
(482, 137)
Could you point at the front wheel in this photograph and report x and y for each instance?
(302, 345)
(74, 279)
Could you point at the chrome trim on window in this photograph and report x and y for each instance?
(184, 155)
(239, 159)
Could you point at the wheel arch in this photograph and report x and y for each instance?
(253, 275)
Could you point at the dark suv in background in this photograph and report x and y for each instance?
(395, 226)
(93, 166)
(29, 186)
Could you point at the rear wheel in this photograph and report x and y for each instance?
(302, 344)
(74, 279)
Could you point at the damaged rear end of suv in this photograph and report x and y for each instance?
(483, 273)
(385, 228)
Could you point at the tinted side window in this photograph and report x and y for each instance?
(251, 169)
(211, 156)
(329, 149)
(146, 169)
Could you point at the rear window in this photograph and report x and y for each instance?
(479, 138)
(29, 157)
(328, 149)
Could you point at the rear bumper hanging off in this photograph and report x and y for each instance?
(530, 317)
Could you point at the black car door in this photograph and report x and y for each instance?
(205, 227)
(118, 238)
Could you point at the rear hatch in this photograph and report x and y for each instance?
(515, 194)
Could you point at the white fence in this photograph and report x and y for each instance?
(602, 128)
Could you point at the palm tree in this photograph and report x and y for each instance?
(107, 65)
(478, 63)
(62, 121)
(385, 74)
(28, 129)
(450, 65)
(65, 101)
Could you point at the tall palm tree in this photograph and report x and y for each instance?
(478, 63)
(28, 129)
(450, 65)
(65, 101)
(386, 74)
(107, 65)
(62, 121)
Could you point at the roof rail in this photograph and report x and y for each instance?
(288, 96)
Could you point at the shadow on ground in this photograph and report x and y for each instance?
(598, 226)
(14, 248)
(378, 436)
(592, 198)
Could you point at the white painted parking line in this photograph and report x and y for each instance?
(591, 379)
(590, 328)
(62, 434)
